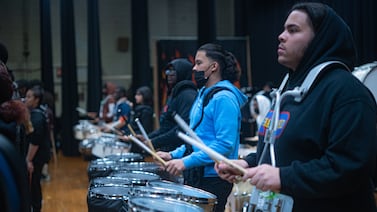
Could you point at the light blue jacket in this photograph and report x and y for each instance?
(219, 128)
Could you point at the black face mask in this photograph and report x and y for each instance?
(200, 79)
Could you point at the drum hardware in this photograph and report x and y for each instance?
(268, 201)
(241, 196)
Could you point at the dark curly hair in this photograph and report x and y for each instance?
(10, 110)
(226, 60)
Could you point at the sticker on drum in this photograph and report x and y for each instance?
(160, 205)
(136, 177)
(367, 74)
(201, 198)
(109, 181)
(155, 192)
(108, 198)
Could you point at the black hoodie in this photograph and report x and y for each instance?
(326, 145)
(180, 99)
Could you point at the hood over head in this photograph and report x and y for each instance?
(333, 40)
(183, 68)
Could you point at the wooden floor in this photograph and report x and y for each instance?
(67, 189)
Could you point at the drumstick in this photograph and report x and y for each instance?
(145, 134)
(131, 130)
(212, 154)
(186, 127)
(143, 146)
(81, 110)
(112, 128)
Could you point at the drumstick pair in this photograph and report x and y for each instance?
(196, 141)
(149, 149)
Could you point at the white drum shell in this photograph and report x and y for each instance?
(367, 74)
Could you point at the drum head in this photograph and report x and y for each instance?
(160, 204)
(189, 193)
(109, 192)
(137, 177)
(110, 181)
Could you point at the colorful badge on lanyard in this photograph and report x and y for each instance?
(283, 120)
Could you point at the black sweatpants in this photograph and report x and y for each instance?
(35, 188)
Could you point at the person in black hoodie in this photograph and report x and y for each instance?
(39, 147)
(325, 145)
(181, 95)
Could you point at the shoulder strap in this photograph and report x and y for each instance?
(211, 93)
(313, 76)
(206, 100)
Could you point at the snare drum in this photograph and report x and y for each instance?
(160, 205)
(367, 74)
(101, 168)
(201, 198)
(105, 146)
(85, 130)
(137, 178)
(86, 146)
(107, 198)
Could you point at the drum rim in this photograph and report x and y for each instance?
(137, 180)
(190, 198)
(93, 194)
(95, 182)
(157, 191)
(168, 201)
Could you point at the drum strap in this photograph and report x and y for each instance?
(313, 76)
